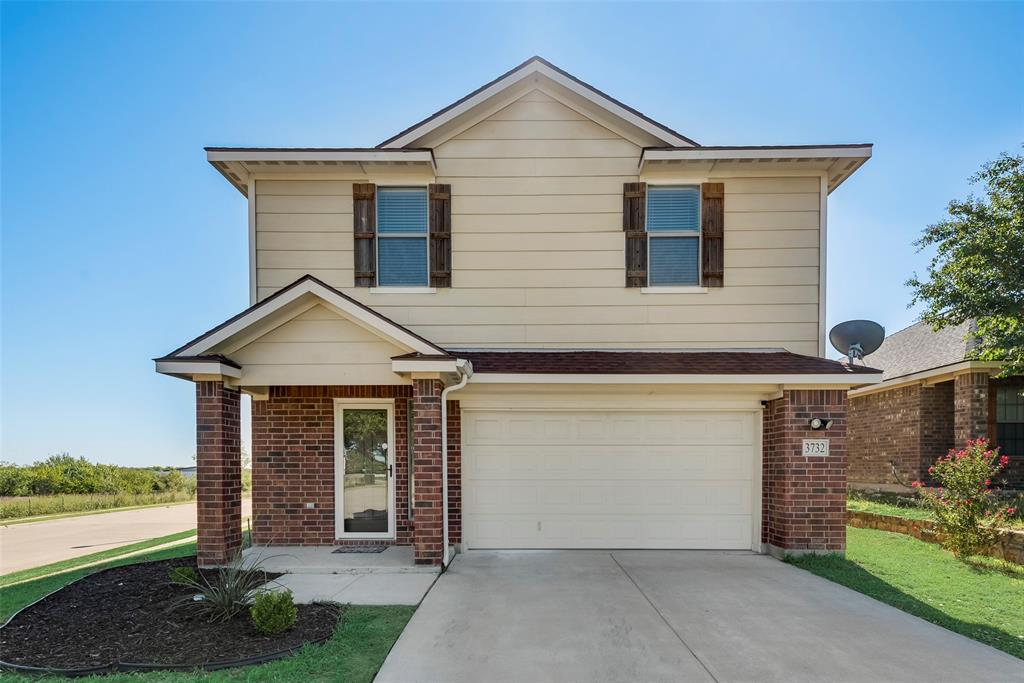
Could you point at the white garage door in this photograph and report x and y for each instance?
(592, 479)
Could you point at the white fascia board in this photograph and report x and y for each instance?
(454, 365)
(934, 375)
(541, 378)
(187, 368)
(383, 155)
(341, 305)
(526, 71)
(739, 153)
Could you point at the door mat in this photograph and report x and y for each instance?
(360, 549)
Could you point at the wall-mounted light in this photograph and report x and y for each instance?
(818, 424)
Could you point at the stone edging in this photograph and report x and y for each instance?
(1009, 544)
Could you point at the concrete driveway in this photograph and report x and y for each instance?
(669, 616)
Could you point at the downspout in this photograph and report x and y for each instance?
(465, 371)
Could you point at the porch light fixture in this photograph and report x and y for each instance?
(817, 424)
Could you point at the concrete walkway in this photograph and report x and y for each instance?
(669, 616)
(33, 544)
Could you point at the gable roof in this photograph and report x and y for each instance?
(541, 66)
(919, 348)
(304, 287)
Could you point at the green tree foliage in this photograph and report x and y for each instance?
(64, 474)
(978, 268)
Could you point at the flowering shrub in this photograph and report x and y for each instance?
(965, 506)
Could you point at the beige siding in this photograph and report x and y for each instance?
(318, 347)
(538, 246)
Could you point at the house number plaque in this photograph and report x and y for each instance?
(815, 447)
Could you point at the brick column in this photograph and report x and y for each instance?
(427, 533)
(970, 405)
(804, 498)
(219, 473)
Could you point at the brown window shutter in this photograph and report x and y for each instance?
(440, 214)
(634, 224)
(712, 229)
(364, 230)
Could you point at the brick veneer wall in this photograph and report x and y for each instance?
(970, 404)
(427, 500)
(804, 498)
(454, 472)
(909, 426)
(218, 473)
(293, 463)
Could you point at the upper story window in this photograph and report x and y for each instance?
(673, 229)
(402, 237)
(1010, 419)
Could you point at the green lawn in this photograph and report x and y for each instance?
(355, 653)
(25, 574)
(983, 600)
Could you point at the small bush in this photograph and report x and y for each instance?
(966, 508)
(183, 576)
(232, 590)
(273, 613)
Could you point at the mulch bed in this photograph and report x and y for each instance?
(129, 614)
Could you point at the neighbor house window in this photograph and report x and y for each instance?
(402, 237)
(673, 228)
(1010, 420)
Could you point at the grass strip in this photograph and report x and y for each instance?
(981, 598)
(85, 513)
(63, 565)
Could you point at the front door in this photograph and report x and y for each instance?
(365, 465)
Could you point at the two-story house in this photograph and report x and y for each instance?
(535, 319)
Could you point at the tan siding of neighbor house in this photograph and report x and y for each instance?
(537, 246)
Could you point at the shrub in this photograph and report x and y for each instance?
(273, 612)
(232, 589)
(965, 506)
(64, 474)
(183, 576)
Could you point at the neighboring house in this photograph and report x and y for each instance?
(189, 472)
(931, 398)
(535, 319)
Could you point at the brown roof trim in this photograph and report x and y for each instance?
(712, 148)
(215, 358)
(568, 362)
(537, 58)
(282, 291)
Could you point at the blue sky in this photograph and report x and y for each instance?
(120, 242)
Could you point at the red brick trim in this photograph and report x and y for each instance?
(218, 473)
(427, 537)
(804, 498)
(454, 472)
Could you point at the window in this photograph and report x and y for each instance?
(673, 228)
(402, 237)
(1010, 420)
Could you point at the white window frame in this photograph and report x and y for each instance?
(425, 288)
(676, 288)
(340, 406)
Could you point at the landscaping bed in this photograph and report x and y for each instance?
(133, 615)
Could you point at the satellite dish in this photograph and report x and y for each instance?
(857, 338)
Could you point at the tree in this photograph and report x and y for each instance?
(978, 268)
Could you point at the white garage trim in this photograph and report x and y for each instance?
(677, 484)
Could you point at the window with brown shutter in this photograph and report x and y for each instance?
(634, 220)
(440, 235)
(364, 231)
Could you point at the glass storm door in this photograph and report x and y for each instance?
(367, 471)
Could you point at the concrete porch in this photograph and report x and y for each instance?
(283, 559)
(317, 574)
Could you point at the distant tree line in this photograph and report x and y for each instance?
(64, 474)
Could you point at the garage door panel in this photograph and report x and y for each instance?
(561, 479)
